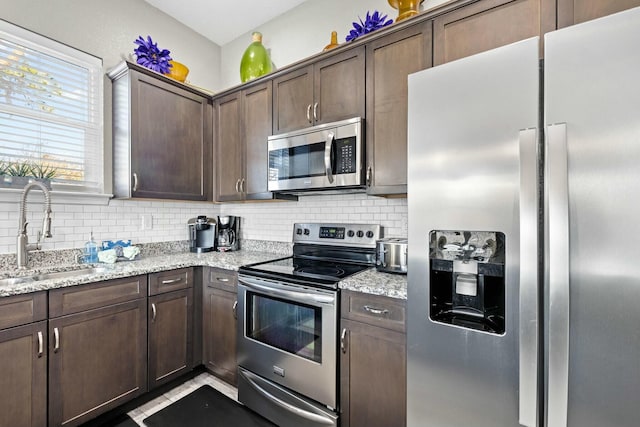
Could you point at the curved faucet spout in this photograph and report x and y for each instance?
(22, 249)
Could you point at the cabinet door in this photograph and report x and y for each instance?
(219, 326)
(339, 83)
(170, 336)
(487, 24)
(23, 395)
(390, 60)
(229, 145)
(372, 376)
(572, 12)
(170, 140)
(257, 122)
(97, 361)
(293, 100)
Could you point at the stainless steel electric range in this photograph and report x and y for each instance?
(288, 311)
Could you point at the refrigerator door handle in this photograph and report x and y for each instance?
(528, 336)
(557, 266)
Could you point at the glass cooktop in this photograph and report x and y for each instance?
(322, 272)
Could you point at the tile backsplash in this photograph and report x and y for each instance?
(123, 219)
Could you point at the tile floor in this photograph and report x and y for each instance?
(153, 406)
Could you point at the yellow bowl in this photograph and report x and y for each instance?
(177, 71)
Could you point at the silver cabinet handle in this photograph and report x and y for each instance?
(56, 340)
(376, 311)
(242, 181)
(315, 112)
(368, 178)
(135, 181)
(238, 185)
(309, 114)
(153, 312)
(343, 340)
(171, 281)
(222, 279)
(557, 271)
(528, 323)
(328, 166)
(235, 309)
(40, 344)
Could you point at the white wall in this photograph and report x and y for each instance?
(304, 31)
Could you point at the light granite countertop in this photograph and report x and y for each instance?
(370, 281)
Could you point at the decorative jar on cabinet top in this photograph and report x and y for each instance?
(255, 61)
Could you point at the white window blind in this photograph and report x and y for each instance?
(51, 109)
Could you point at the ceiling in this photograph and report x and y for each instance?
(222, 21)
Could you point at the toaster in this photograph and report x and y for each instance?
(391, 255)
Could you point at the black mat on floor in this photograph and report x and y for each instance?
(206, 407)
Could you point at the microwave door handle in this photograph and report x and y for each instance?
(328, 144)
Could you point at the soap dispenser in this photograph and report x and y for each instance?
(91, 251)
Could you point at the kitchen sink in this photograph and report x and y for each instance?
(56, 275)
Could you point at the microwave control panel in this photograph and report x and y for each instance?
(345, 161)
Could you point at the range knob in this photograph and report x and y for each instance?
(360, 233)
(298, 231)
(369, 234)
(306, 231)
(350, 233)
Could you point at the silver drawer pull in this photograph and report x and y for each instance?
(171, 281)
(40, 344)
(376, 311)
(222, 279)
(56, 340)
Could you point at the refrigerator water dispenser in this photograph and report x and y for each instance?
(466, 272)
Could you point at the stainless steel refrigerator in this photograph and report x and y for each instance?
(524, 228)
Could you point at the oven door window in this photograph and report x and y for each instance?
(284, 324)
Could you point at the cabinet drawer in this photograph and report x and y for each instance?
(375, 310)
(22, 309)
(79, 298)
(222, 279)
(172, 280)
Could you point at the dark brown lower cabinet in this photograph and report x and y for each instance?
(23, 374)
(219, 324)
(170, 335)
(97, 361)
(373, 385)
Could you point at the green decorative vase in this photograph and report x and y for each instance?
(255, 61)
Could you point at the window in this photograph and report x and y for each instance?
(51, 109)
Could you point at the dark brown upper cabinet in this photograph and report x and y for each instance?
(328, 90)
(572, 12)
(390, 59)
(488, 24)
(162, 137)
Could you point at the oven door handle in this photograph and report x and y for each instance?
(316, 418)
(328, 166)
(275, 290)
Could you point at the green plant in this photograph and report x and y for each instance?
(27, 168)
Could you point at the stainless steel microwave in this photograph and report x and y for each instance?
(324, 157)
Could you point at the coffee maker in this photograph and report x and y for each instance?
(202, 234)
(228, 233)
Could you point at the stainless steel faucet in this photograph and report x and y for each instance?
(23, 246)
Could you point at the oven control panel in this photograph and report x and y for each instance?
(361, 235)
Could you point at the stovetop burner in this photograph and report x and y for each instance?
(323, 254)
(309, 271)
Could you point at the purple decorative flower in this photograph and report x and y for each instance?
(371, 23)
(148, 55)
